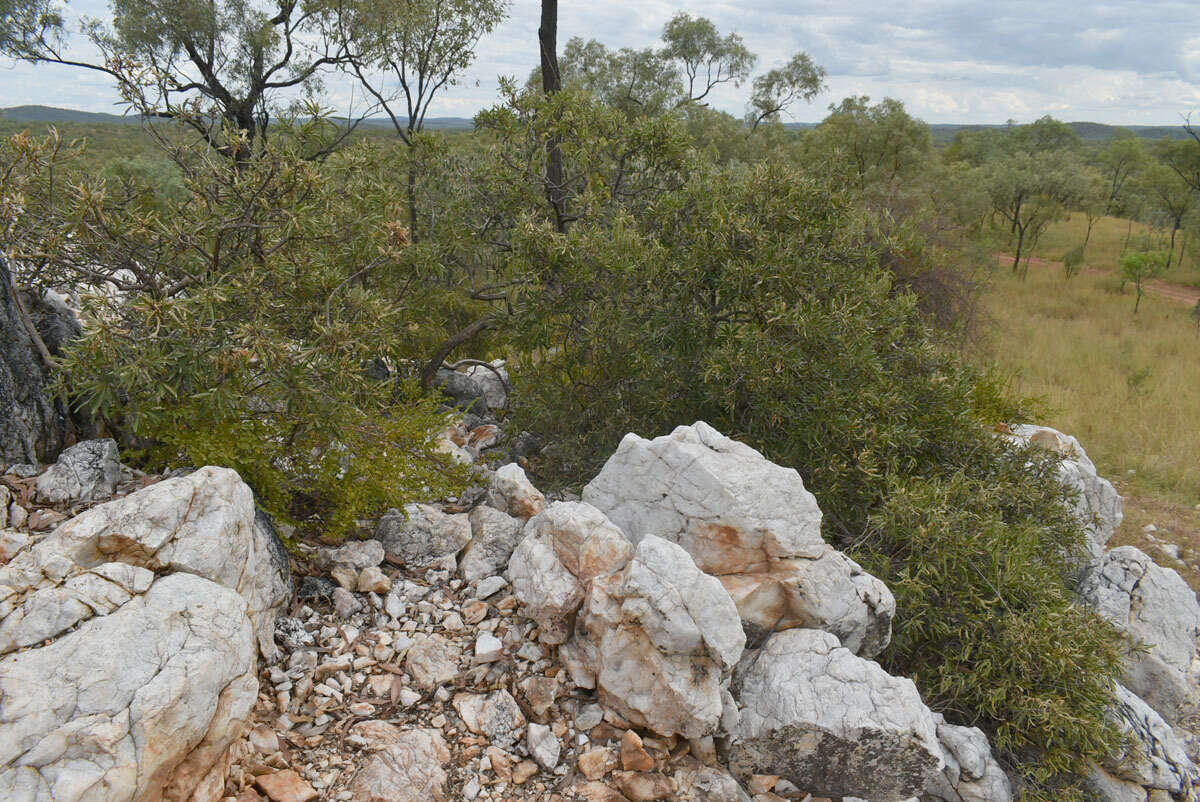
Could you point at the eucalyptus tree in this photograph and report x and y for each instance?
(219, 66)
(777, 89)
(404, 53)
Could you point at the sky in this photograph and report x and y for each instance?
(1130, 62)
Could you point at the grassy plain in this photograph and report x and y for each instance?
(1128, 386)
(1107, 243)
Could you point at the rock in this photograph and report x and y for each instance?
(142, 701)
(372, 580)
(34, 423)
(540, 693)
(524, 771)
(494, 535)
(1103, 787)
(86, 471)
(564, 547)
(830, 722)
(357, 554)
(285, 786)
(633, 756)
(699, 783)
(203, 523)
(750, 523)
(465, 391)
(409, 770)
(344, 603)
(432, 660)
(495, 715)
(595, 763)
(971, 773)
(513, 493)
(1097, 504)
(543, 746)
(1158, 611)
(643, 787)
(493, 380)
(423, 535)
(488, 648)
(345, 576)
(1153, 756)
(657, 640)
(490, 586)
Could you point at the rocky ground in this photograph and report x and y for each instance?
(681, 632)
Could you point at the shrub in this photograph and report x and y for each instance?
(231, 322)
(754, 298)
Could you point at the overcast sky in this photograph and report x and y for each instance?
(1127, 62)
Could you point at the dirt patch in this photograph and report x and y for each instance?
(1177, 292)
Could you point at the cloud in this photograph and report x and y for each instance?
(947, 60)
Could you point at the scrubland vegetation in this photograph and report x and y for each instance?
(273, 293)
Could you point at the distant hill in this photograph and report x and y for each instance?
(49, 114)
(943, 133)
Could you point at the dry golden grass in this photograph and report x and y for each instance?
(1128, 386)
(1107, 243)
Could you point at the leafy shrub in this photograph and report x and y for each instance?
(984, 624)
(232, 322)
(753, 297)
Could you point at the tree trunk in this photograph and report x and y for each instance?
(1128, 234)
(412, 198)
(1171, 249)
(551, 83)
(1017, 258)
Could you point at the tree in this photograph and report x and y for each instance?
(555, 182)
(1031, 190)
(1122, 159)
(419, 47)
(694, 60)
(1171, 198)
(1139, 267)
(707, 59)
(877, 142)
(776, 90)
(217, 66)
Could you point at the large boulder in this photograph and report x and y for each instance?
(139, 703)
(657, 640)
(493, 380)
(1159, 613)
(33, 423)
(1097, 503)
(830, 722)
(749, 522)
(494, 536)
(204, 523)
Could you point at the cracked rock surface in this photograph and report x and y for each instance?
(1158, 611)
(749, 522)
(817, 715)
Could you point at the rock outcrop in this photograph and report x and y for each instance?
(830, 722)
(749, 522)
(1153, 756)
(139, 703)
(1157, 610)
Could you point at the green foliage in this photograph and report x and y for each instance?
(777, 89)
(232, 323)
(984, 623)
(1139, 267)
(1072, 260)
(755, 298)
(872, 143)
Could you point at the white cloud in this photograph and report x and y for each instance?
(947, 60)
